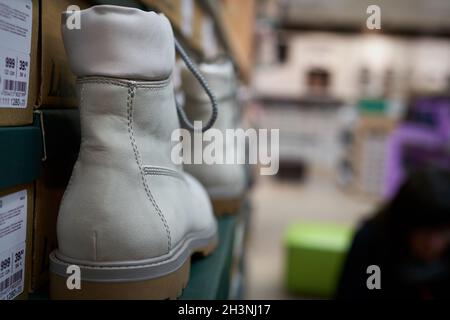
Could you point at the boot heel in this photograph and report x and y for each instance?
(169, 286)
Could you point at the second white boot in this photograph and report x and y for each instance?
(225, 183)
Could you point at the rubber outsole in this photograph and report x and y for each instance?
(166, 287)
(169, 286)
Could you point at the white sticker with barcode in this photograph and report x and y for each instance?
(13, 230)
(15, 32)
(15, 71)
(15, 24)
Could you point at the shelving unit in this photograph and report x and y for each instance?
(210, 276)
(215, 276)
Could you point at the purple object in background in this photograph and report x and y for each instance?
(420, 141)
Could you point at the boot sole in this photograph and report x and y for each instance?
(225, 207)
(116, 285)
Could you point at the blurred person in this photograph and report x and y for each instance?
(409, 240)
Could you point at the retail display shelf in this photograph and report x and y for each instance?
(210, 276)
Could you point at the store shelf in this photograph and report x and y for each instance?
(238, 267)
(210, 276)
(21, 146)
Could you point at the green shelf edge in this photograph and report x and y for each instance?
(21, 154)
(210, 276)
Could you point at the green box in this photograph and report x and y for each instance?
(315, 254)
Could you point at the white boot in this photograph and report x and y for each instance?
(225, 183)
(130, 218)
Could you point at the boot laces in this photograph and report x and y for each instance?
(180, 110)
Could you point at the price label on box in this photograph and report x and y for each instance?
(13, 229)
(15, 32)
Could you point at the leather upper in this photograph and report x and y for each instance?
(113, 209)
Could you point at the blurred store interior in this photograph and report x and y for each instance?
(357, 109)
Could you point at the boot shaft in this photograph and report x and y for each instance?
(124, 59)
(120, 42)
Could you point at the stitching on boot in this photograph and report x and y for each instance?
(152, 85)
(137, 156)
(160, 171)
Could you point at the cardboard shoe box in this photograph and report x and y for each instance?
(19, 167)
(19, 21)
(16, 209)
(56, 86)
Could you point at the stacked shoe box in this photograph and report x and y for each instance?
(19, 167)
(20, 141)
